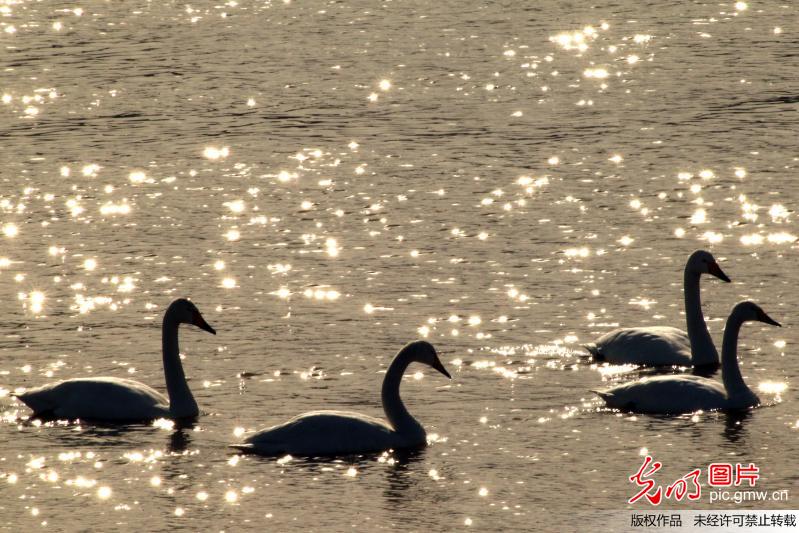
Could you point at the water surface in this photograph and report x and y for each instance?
(330, 180)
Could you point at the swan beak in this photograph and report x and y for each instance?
(768, 320)
(715, 269)
(200, 322)
(438, 366)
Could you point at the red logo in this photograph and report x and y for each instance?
(688, 486)
(648, 484)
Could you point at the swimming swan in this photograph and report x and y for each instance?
(118, 399)
(666, 346)
(339, 432)
(687, 393)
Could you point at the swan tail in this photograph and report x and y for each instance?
(36, 400)
(594, 351)
(246, 448)
(605, 395)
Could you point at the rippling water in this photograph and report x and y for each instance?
(329, 180)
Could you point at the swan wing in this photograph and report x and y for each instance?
(325, 433)
(667, 395)
(101, 398)
(655, 345)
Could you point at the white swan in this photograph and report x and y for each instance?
(337, 432)
(119, 399)
(688, 393)
(662, 345)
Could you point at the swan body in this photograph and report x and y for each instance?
(655, 345)
(119, 399)
(667, 346)
(340, 432)
(330, 433)
(675, 394)
(97, 399)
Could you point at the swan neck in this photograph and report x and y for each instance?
(396, 413)
(703, 351)
(181, 401)
(730, 371)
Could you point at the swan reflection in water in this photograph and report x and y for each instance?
(735, 425)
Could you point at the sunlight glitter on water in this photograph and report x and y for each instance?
(10, 230)
(441, 213)
(772, 387)
(111, 208)
(575, 40)
(215, 153)
(36, 301)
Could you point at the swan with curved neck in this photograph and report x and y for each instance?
(675, 394)
(667, 346)
(119, 399)
(339, 432)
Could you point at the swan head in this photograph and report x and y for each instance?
(750, 311)
(423, 352)
(183, 311)
(703, 262)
